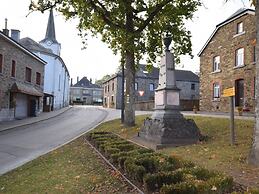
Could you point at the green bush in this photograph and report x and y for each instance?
(202, 173)
(179, 188)
(221, 184)
(149, 163)
(110, 150)
(153, 182)
(134, 171)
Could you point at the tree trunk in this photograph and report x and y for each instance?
(254, 156)
(130, 90)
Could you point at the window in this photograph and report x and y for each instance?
(28, 74)
(216, 91)
(240, 28)
(112, 86)
(38, 78)
(112, 99)
(59, 82)
(254, 52)
(1, 63)
(13, 68)
(105, 89)
(85, 91)
(193, 87)
(136, 86)
(151, 87)
(216, 63)
(239, 57)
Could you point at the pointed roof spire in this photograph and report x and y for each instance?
(50, 33)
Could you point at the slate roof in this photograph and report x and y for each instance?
(240, 12)
(85, 83)
(50, 32)
(184, 75)
(181, 75)
(25, 89)
(23, 48)
(33, 45)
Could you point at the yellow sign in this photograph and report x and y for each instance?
(229, 92)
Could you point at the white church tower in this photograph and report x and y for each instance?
(50, 41)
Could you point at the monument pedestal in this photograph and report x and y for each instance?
(167, 126)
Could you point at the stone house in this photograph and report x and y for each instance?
(228, 60)
(85, 92)
(21, 79)
(56, 82)
(145, 85)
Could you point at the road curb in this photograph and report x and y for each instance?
(33, 122)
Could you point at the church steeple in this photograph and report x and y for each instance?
(50, 40)
(50, 33)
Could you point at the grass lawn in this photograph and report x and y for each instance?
(216, 153)
(74, 168)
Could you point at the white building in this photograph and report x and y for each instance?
(56, 77)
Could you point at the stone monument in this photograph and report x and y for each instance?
(167, 126)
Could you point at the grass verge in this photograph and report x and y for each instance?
(216, 153)
(74, 168)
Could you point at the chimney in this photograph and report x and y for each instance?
(15, 35)
(6, 31)
(77, 78)
(71, 82)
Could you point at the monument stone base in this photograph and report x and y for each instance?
(169, 129)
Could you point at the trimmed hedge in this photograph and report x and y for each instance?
(157, 172)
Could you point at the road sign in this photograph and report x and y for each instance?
(229, 92)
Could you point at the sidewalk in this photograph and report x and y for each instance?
(245, 116)
(5, 125)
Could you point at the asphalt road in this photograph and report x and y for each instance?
(23, 144)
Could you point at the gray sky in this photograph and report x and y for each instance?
(98, 60)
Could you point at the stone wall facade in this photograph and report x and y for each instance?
(225, 43)
(11, 51)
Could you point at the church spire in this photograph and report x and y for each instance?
(50, 33)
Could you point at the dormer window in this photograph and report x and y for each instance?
(240, 28)
(216, 64)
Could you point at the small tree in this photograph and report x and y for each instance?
(132, 27)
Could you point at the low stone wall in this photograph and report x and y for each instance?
(144, 105)
(186, 105)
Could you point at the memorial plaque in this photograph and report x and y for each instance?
(159, 98)
(173, 98)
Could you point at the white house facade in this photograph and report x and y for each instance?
(56, 77)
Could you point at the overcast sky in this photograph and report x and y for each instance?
(98, 60)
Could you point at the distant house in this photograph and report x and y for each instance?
(228, 60)
(145, 85)
(21, 79)
(86, 93)
(56, 82)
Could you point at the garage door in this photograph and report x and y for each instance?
(21, 106)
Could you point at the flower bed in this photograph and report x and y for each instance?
(156, 172)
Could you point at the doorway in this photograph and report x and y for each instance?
(239, 92)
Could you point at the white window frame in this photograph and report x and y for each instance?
(216, 90)
(216, 63)
(151, 87)
(240, 28)
(239, 57)
(136, 86)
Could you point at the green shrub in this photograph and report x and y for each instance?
(126, 147)
(110, 150)
(202, 173)
(222, 184)
(179, 188)
(134, 171)
(153, 182)
(149, 163)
